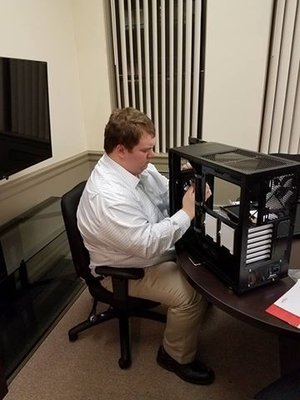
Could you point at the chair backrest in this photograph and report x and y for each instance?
(80, 255)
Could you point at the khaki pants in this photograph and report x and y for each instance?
(165, 284)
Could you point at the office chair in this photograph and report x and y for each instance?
(120, 305)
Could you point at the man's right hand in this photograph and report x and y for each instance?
(188, 202)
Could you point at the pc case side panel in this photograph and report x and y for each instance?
(267, 249)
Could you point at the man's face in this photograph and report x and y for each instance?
(137, 159)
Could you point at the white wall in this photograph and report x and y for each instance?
(71, 36)
(235, 71)
(92, 36)
(44, 30)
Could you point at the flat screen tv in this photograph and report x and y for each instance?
(25, 137)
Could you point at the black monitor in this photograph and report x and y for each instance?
(25, 137)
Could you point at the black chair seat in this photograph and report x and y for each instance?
(132, 303)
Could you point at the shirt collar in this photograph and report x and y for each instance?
(143, 177)
(127, 176)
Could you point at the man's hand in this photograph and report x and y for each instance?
(188, 202)
(208, 192)
(186, 166)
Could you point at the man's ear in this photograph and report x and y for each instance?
(120, 150)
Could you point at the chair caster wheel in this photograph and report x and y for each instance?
(123, 364)
(73, 337)
(93, 318)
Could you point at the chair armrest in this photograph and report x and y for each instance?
(125, 273)
(120, 277)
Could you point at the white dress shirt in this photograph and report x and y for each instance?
(124, 219)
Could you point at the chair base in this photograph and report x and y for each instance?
(93, 320)
(123, 317)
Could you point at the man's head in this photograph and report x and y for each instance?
(129, 139)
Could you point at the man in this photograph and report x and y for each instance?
(124, 221)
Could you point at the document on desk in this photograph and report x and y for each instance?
(287, 307)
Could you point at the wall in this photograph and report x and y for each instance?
(70, 36)
(73, 37)
(92, 35)
(238, 35)
(235, 71)
(24, 192)
(44, 30)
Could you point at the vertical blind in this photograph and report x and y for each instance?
(281, 121)
(159, 64)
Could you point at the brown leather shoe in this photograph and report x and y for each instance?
(195, 372)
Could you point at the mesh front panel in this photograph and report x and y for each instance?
(282, 192)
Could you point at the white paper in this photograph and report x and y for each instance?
(227, 237)
(211, 226)
(290, 301)
(294, 274)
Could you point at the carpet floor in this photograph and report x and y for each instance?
(245, 359)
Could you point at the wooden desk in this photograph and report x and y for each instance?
(249, 307)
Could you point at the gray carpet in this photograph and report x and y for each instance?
(244, 358)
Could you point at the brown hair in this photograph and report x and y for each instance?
(126, 126)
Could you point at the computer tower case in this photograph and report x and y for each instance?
(243, 231)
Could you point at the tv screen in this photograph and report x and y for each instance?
(24, 115)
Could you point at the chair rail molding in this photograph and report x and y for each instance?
(18, 185)
(21, 193)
